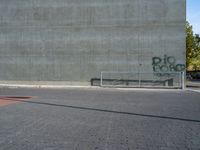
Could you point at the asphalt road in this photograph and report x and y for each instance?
(99, 119)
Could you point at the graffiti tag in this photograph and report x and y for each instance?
(166, 64)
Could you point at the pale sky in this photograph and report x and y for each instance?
(193, 14)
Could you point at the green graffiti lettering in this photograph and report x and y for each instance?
(164, 68)
(156, 68)
(180, 67)
(171, 60)
(156, 60)
(172, 68)
(166, 64)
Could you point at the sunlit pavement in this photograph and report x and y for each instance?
(193, 84)
(103, 119)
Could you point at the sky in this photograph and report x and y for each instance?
(193, 14)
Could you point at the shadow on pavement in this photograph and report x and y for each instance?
(107, 111)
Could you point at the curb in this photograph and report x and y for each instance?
(15, 86)
(193, 90)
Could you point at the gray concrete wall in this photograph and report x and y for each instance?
(74, 40)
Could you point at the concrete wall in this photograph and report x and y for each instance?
(74, 40)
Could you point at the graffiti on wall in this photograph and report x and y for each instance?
(166, 64)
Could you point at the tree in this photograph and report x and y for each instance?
(197, 38)
(192, 49)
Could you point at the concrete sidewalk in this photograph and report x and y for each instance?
(193, 84)
(103, 119)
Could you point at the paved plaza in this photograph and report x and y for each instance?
(99, 119)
